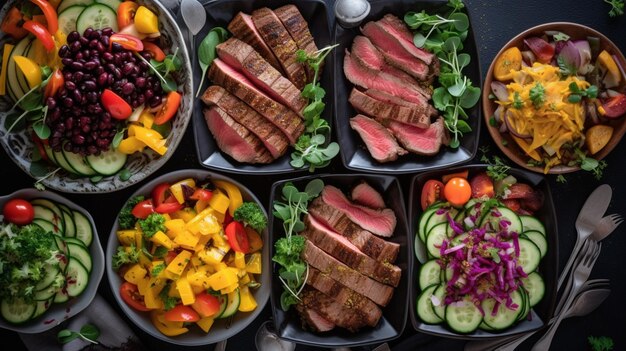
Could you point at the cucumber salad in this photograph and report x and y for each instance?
(45, 257)
(484, 248)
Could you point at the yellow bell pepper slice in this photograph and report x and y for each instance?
(186, 240)
(205, 323)
(146, 118)
(177, 189)
(135, 273)
(254, 264)
(219, 202)
(240, 260)
(30, 69)
(160, 238)
(126, 237)
(150, 137)
(247, 302)
(178, 264)
(5, 61)
(613, 75)
(164, 328)
(223, 278)
(234, 194)
(131, 145)
(146, 21)
(187, 296)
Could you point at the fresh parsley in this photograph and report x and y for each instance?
(537, 95)
(576, 94)
(206, 51)
(561, 179)
(88, 332)
(600, 343)
(518, 103)
(617, 7)
(496, 168)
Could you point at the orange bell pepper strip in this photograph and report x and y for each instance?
(12, 24)
(50, 13)
(157, 54)
(168, 108)
(165, 329)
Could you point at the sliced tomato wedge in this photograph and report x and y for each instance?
(115, 105)
(202, 194)
(482, 185)
(168, 207)
(237, 237)
(206, 304)
(126, 13)
(541, 48)
(432, 191)
(131, 296)
(127, 41)
(168, 108)
(143, 209)
(54, 84)
(615, 106)
(155, 50)
(181, 313)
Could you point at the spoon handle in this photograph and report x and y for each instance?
(566, 270)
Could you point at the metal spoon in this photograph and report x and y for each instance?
(194, 16)
(266, 339)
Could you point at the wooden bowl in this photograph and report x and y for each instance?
(504, 140)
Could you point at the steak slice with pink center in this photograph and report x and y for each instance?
(331, 310)
(423, 141)
(297, 26)
(398, 29)
(366, 195)
(380, 143)
(243, 29)
(382, 110)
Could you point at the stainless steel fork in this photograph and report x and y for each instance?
(584, 252)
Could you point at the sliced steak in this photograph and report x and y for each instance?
(273, 139)
(372, 79)
(369, 311)
(394, 51)
(375, 291)
(282, 44)
(244, 58)
(292, 19)
(380, 222)
(366, 195)
(396, 27)
(312, 320)
(371, 245)
(423, 141)
(382, 110)
(234, 139)
(331, 310)
(380, 143)
(237, 84)
(243, 29)
(343, 250)
(386, 97)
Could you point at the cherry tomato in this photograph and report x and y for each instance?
(168, 108)
(131, 296)
(541, 48)
(482, 185)
(254, 239)
(54, 84)
(615, 106)
(432, 191)
(126, 13)
(157, 54)
(206, 304)
(181, 313)
(127, 41)
(143, 209)
(160, 193)
(115, 105)
(202, 194)
(168, 207)
(512, 204)
(237, 237)
(457, 191)
(18, 211)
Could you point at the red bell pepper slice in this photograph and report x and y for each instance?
(41, 33)
(50, 13)
(237, 237)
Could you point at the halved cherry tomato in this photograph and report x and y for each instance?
(155, 50)
(254, 239)
(457, 191)
(143, 209)
(131, 296)
(41, 33)
(126, 13)
(54, 84)
(615, 106)
(128, 42)
(50, 13)
(237, 237)
(115, 105)
(462, 174)
(206, 304)
(432, 191)
(512, 204)
(181, 313)
(12, 24)
(482, 185)
(202, 194)
(168, 207)
(168, 108)
(541, 48)
(18, 211)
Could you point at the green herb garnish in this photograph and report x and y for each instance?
(600, 343)
(88, 332)
(518, 103)
(537, 95)
(617, 7)
(576, 94)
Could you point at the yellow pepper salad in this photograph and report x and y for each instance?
(189, 253)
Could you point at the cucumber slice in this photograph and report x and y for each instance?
(17, 311)
(114, 4)
(435, 238)
(77, 277)
(50, 272)
(97, 16)
(496, 215)
(68, 17)
(62, 162)
(15, 78)
(463, 316)
(54, 206)
(437, 301)
(84, 230)
(535, 286)
(223, 299)
(108, 162)
(48, 292)
(532, 223)
(430, 273)
(529, 255)
(79, 252)
(65, 4)
(70, 226)
(78, 163)
(424, 307)
(47, 226)
(42, 307)
(61, 296)
(45, 213)
(233, 304)
(50, 154)
(421, 232)
(504, 316)
(539, 240)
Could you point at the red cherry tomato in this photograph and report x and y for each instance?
(143, 209)
(201, 194)
(127, 41)
(18, 211)
(237, 237)
(206, 304)
(482, 185)
(457, 191)
(168, 108)
(541, 48)
(160, 193)
(157, 54)
(115, 105)
(131, 296)
(432, 191)
(181, 313)
(615, 106)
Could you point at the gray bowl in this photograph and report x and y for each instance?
(222, 329)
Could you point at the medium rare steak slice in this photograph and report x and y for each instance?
(368, 310)
(343, 250)
(282, 44)
(419, 140)
(375, 291)
(359, 75)
(244, 58)
(379, 222)
(243, 29)
(273, 139)
(234, 139)
(331, 310)
(371, 245)
(380, 143)
(366, 195)
(382, 110)
(237, 84)
(312, 320)
(394, 51)
(398, 29)
(292, 19)
(386, 97)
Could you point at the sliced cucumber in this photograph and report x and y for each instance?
(223, 299)
(68, 17)
(65, 4)
(50, 272)
(61, 296)
(15, 79)
(424, 307)
(45, 213)
(54, 206)
(42, 307)
(504, 316)
(532, 223)
(421, 231)
(50, 154)
(437, 301)
(233, 304)
(84, 230)
(47, 226)
(497, 215)
(80, 253)
(114, 4)
(535, 286)
(463, 316)
(108, 162)
(62, 162)
(539, 239)
(77, 277)
(17, 311)
(430, 273)
(78, 163)
(48, 292)
(435, 238)
(97, 16)
(529, 255)
(70, 226)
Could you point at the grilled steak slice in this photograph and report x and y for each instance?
(375, 291)
(369, 311)
(312, 320)
(297, 27)
(398, 29)
(371, 245)
(282, 44)
(371, 79)
(273, 139)
(394, 51)
(419, 140)
(331, 310)
(380, 143)
(243, 29)
(379, 222)
(366, 195)
(386, 97)
(234, 139)
(237, 84)
(382, 110)
(244, 58)
(343, 250)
